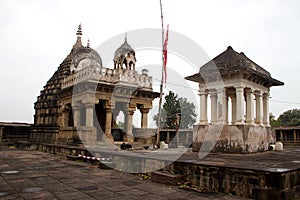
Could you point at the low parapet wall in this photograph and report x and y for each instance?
(265, 184)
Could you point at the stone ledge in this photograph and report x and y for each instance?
(165, 178)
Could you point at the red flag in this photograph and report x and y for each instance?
(165, 53)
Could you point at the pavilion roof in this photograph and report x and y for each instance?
(231, 61)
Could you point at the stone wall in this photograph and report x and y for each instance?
(10, 133)
(257, 184)
(43, 134)
(232, 139)
(68, 136)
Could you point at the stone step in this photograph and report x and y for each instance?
(165, 178)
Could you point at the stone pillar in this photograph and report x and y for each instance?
(226, 110)
(89, 115)
(203, 107)
(259, 113)
(108, 120)
(64, 118)
(214, 106)
(129, 135)
(266, 120)
(221, 109)
(144, 118)
(249, 106)
(240, 112)
(233, 109)
(77, 116)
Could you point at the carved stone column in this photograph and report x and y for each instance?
(144, 118)
(266, 120)
(231, 93)
(240, 112)
(221, 109)
(259, 110)
(89, 115)
(233, 109)
(108, 120)
(214, 106)
(203, 107)
(129, 135)
(77, 115)
(249, 106)
(64, 117)
(226, 109)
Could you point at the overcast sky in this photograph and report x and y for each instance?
(37, 35)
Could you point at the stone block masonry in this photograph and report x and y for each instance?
(232, 139)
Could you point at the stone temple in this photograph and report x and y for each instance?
(233, 77)
(81, 101)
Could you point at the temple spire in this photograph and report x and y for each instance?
(79, 34)
(125, 38)
(79, 31)
(88, 43)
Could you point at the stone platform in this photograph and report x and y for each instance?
(265, 175)
(39, 175)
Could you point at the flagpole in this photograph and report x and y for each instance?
(162, 77)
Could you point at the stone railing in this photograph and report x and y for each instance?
(107, 75)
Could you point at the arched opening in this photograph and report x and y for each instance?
(131, 65)
(119, 130)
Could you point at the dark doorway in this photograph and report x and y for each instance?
(99, 123)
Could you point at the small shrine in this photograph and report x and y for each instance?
(233, 78)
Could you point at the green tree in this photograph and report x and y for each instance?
(290, 118)
(273, 121)
(188, 115)
(173, 106)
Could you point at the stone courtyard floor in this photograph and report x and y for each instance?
(38, 175)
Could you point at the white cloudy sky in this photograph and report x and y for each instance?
(36, 36)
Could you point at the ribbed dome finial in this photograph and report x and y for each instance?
(79, 34)
(79, 31)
